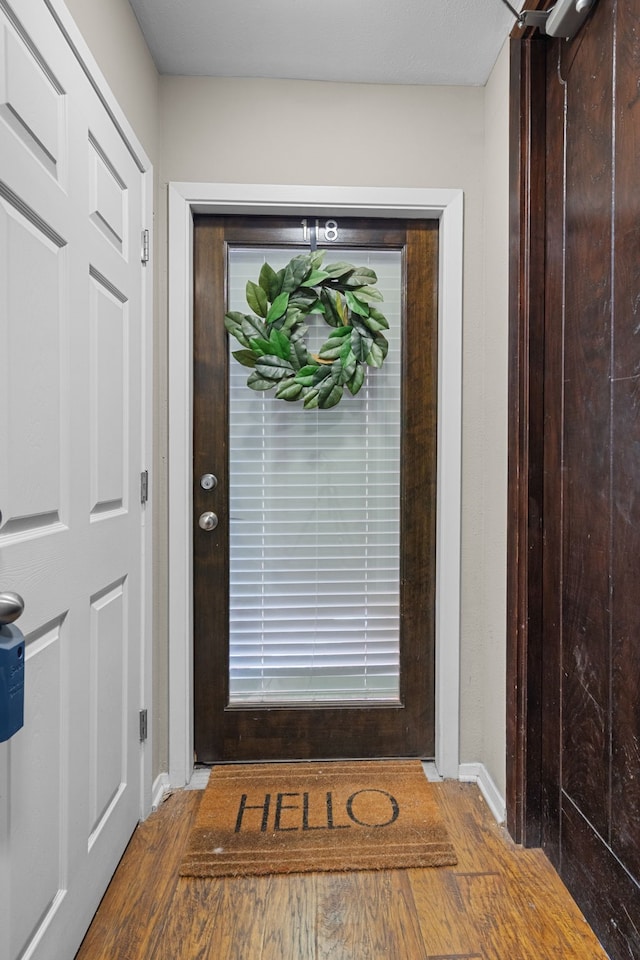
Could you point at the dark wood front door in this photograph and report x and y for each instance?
(575, 455)
(231, 731)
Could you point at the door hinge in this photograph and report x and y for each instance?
(145, 255)
(143, 725)
(144, 486)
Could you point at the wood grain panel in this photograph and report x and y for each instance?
(526, 345)
(553, 379)
(586, 429)
(602, 887)
(625, 772)
(131, 917)
(590, 212)
(350, 908)
(210, 549)
(499, 902)
(290, 932)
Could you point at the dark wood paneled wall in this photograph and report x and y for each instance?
(574, 778)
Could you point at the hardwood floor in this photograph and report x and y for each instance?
(500, 902)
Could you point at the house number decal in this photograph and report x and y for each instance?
(330, 230)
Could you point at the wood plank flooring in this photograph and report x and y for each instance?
(500, 902)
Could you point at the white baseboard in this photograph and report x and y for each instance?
(161, 786)
(478, 773)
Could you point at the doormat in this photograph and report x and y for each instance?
(260, 819)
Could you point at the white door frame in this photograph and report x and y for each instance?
(185, 199)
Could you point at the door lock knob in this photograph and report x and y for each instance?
(11, 607)
(208, 521)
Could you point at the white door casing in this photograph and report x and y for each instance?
(446, 205)
(74, 340)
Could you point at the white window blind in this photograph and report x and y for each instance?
(314, 522)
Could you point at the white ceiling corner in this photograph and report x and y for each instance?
(360, 41)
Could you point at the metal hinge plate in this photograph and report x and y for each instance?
(145, 256)
(144, 486)
(143, 725)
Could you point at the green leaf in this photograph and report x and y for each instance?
(370, 295)
(257, 298)
(290, 320)
(360, 345)
(330, 350)
(377, 353)
(252, 327)
(261, 346)
(317, 276)
(323, 372)
(340, 332)
(274, 368)
(355, 305)
(383, 343)
(337, 270)
(349, 362)
(333, 307)
(256, 382)
(361, 277)
(278, 307)
(379, 318)
(295, 272)
(246, 357)
(281, 340)
(288, 390)
(233, 323)
(329, 394)
(316, 258)
(303, 296)
(233, 319)
(311, 399)
(356, 381)
(306, 379)
(299, 333)
(375, 321)
(298, 354)
(270, 282)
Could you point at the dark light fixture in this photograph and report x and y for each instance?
(564, 19)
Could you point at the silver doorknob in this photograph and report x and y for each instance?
(208, 521)
(11, 607)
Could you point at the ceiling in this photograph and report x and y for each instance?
(360, 41)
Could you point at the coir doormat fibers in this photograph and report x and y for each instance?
(261, 819)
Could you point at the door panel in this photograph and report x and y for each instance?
(583, 431)
(229, 732)
(71, 206)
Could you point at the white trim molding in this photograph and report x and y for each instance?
(445, 205)
(161, 787)
(478, 773)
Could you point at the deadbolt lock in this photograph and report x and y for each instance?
(208, 481)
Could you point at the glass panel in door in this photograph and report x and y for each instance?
(314, 521)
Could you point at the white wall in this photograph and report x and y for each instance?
(282, 131)
(346, 134)
(112, 33)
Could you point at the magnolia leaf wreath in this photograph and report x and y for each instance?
(273, 337)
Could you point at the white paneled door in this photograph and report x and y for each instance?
(71, 533)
